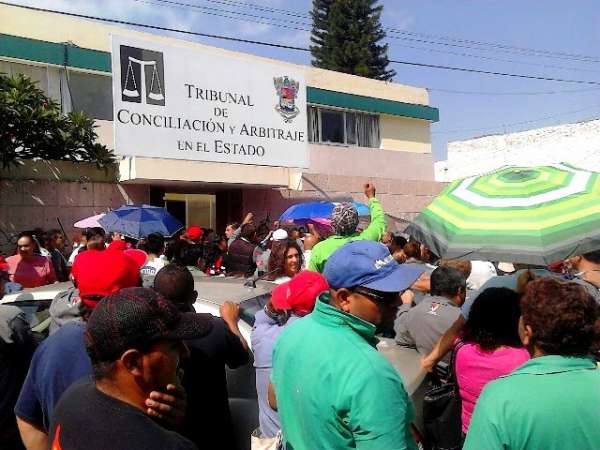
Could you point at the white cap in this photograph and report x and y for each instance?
(506, 267)
(279, 235)
(481, 272)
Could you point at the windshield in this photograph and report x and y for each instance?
(249, 308)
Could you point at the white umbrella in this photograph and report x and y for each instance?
(89, 222)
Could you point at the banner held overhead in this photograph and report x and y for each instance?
(189, 103)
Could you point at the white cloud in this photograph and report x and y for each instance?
(295, 39)
(138, 11)
(396, 18)
(106, 8)
(251, 28)
(152, 12)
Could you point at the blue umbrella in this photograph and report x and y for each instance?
(138, 221)
(310, 211)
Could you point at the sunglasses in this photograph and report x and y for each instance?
(377, 296)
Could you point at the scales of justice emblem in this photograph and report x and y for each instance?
(287, 90)
(135, 84)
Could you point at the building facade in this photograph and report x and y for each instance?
(575, 143)
(358, 129)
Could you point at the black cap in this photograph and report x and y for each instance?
(135, 318)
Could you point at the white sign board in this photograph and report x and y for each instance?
(189, 103)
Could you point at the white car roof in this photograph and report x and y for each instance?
(47, 292)
(214, 291)
(210, 289)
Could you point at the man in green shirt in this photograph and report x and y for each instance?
(344, 221)
(333, 389)
(553, 400)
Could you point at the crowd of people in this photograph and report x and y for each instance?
(126, 351)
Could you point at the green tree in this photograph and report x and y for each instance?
(32, 127)
(346, 36)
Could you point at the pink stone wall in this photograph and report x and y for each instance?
(35, 198)
(27, 204)
(356, 161)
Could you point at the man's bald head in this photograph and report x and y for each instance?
(176, 283)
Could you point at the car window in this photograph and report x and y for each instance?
(249, 308)
(36, 311)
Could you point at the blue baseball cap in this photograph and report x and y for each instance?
(370, 265)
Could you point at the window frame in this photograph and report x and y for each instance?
(320, 121)
(344, 111)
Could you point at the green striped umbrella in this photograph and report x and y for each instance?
(532, 215)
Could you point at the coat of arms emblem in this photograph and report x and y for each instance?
(287, 90)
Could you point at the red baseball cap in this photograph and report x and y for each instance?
(119, 245)
(194, 232)
(100, 273)
(300, 293)
(139, 256)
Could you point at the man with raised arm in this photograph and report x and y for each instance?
(344, 221)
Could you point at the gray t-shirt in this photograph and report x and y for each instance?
(421, 326)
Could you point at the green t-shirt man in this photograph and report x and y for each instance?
(344, 221)
(334, 390)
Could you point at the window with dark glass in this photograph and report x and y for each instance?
(332, 126)
(343, 127)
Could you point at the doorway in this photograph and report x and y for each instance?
(176, 208)
(192, 209)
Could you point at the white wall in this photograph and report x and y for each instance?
(577, 144)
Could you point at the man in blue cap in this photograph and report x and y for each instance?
(332, 388)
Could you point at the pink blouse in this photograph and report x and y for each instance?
(475, 368)
(33, 273)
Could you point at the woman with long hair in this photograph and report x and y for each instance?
(285, 261)
(492, 346)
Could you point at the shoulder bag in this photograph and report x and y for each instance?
(442, 412)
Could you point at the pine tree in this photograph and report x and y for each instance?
(346, 36)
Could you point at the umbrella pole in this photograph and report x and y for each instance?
(63, 231)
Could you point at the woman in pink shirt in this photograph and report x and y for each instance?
(492, 347)
(26, 267)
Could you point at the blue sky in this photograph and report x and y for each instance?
(571, 27)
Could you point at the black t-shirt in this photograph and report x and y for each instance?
(87, 419)
(208, 419)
